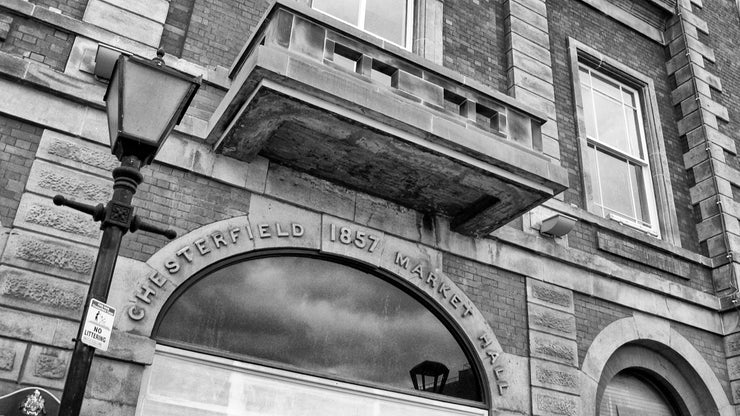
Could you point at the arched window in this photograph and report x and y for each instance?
(631, 393)
(319, 319)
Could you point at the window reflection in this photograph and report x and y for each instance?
(317, 316)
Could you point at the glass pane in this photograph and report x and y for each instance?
(150, 99)
(347, 10)
(258, 390)
(639, 194)
(318, 316)
(588, 111)
(594, 175)
(610, 121)
(387, 19)
(628, 97)
(627, 395)
(606, 86)
(635, 134)
(615, 183)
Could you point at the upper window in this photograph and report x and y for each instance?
(322, 318)
(618, 170)
(391, 20)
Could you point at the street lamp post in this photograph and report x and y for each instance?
(144, 101)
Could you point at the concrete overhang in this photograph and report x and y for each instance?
(339, 105)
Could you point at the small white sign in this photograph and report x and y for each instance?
(98, 325)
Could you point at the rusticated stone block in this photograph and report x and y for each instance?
(553, 348)
(115, 381)
(24, 289)
(549, 295)
(11, 354)
(735, 387)
(552, 321)
(550, 403)
(732, 344)
(39, 214)
(76, 153)
(554, 376)
(50, 255)
(46, 367)
(733, 368)
(47, 179)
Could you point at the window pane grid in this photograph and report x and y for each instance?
(387, 19)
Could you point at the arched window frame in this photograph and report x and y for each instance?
(423, 298)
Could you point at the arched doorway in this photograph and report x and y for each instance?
(288, 333)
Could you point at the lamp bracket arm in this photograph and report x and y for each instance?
(143, 225)
(96, 211)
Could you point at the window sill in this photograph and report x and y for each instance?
(627, 231)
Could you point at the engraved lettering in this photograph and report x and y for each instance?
(234, 233)
(264, 230)
(158, 279)
(136, 313)
(493, 356)
(444, 289)
(417, 271)
(468, 310)
(374, 244)
(144, 293)
(200, 244)
(333, 232)
(502, 386)
(360, 241)
(185, 252)
(249, 232)
(402, 261)
(455, 300)
(297, 230)
(485, 341)
(345, 235)
(172, 266)
(218, 239)
(497, 372)
(432, 280)
(280, 232)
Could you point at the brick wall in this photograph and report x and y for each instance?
(474, 43)
(176, 26)
(577, 20)
(592, 316)
(183, 201)
(501, 297)
(72, 8)
(711, 347)
(18, 144)
(218, 30)
(39, 42)
(723, 20)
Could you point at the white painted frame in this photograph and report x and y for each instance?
(656, 153)
(409, 29)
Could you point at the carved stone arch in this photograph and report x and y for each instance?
(618, 347)
(140, 291)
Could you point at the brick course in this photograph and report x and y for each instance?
(39, 42)
(18, 144)
(592, 316)
(71, 8)
(474, 43)
(501, 297)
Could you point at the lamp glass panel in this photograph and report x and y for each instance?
(150, 99)
(112, 107)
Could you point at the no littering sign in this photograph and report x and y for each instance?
(98, 325)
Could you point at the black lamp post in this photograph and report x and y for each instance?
(145, 100)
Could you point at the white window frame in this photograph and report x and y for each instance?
(630, 159)
(664, 223)
(361, 22)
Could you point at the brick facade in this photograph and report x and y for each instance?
(543, 303)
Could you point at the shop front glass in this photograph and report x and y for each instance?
(301, 335)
